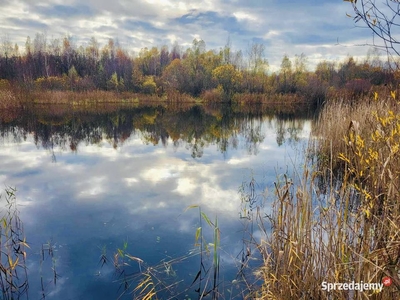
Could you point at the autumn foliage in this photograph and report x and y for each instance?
(60, 65)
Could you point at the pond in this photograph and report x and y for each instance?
(103, 194)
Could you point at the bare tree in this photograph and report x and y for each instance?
(67, 51)
(176, 51)
(6, 47)
(93, 49)
(55, 47)
(227, 52)
(257, 62)
(40, 43)
(383, 19)
(40, 50)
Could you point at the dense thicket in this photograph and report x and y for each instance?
(61, 65)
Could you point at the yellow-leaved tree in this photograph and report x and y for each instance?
(228, 78)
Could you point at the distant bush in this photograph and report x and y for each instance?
(314, 91)
(149, 86)
(214, 95)
(85, 84)
(51, 83)
(358, 87)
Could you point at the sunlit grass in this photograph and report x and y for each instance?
(339, 222)
(19, 96)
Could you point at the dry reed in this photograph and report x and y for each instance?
(347, 229)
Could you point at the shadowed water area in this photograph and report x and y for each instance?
(103, 191)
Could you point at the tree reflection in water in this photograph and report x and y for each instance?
(193, 127)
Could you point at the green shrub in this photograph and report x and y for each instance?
(149, 86)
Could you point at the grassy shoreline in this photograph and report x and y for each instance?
(339, 221)
(16, 97)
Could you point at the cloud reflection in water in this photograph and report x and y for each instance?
(100, 196)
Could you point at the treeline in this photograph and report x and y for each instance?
(59, 64)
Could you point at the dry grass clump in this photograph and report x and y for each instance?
(19, 97)
(346, 230)
(319, 238)
(80, 98)
(174, 96)
(336, 118)
(284, 99)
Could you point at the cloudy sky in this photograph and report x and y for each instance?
(283, 26)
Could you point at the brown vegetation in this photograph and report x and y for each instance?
(180, 75)
(340, 222)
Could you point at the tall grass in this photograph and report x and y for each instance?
(347, 228)
(13, 95)
(161, 281)
(278, 99)
(207, 284)
(337, 116)
(13, 271)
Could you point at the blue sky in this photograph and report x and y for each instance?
(284, 27)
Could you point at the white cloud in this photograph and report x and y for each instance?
(242, 16)
(272, 34)
(284, 27)
(185, 186)
(93, 186)
(131, 181)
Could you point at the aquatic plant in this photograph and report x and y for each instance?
(152, 282)
(47, 279)
(202, 276)
(138, 280)
(13, 271)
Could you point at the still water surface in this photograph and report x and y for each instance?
(90, 182)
